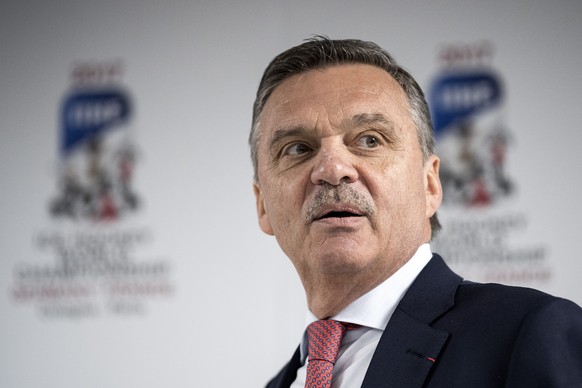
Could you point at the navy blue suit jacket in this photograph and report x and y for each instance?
(447, 332)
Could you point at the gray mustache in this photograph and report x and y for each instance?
(343, 193)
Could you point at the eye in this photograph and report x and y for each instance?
(297, 149)
(369, 141)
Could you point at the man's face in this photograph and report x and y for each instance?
(341, 182)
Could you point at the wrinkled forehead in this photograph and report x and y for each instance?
(333, 93)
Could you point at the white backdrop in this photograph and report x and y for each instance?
(192, 69)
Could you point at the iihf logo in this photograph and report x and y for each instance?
(96, 152)
(467, 106)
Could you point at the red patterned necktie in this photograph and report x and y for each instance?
(324, 338)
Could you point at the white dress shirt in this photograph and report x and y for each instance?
(372, 311)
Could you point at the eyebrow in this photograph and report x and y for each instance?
(370, 119)
(285, 132)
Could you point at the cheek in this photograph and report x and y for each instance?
(284, 204)
(399, 190)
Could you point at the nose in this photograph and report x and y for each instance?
(334, 164)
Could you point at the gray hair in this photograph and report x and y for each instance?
(319, 52)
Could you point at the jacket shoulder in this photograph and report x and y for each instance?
(511, 336)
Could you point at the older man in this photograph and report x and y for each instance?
(347, 181)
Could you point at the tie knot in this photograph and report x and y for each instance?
(324, 338)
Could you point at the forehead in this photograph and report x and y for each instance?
(334, 92)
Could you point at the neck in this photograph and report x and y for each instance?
(329, 296)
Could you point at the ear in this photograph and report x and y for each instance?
(432, 185)
(264, 221)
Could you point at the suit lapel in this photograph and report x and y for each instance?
(409, 347)
(288, 374)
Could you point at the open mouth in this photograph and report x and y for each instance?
(339, 214)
